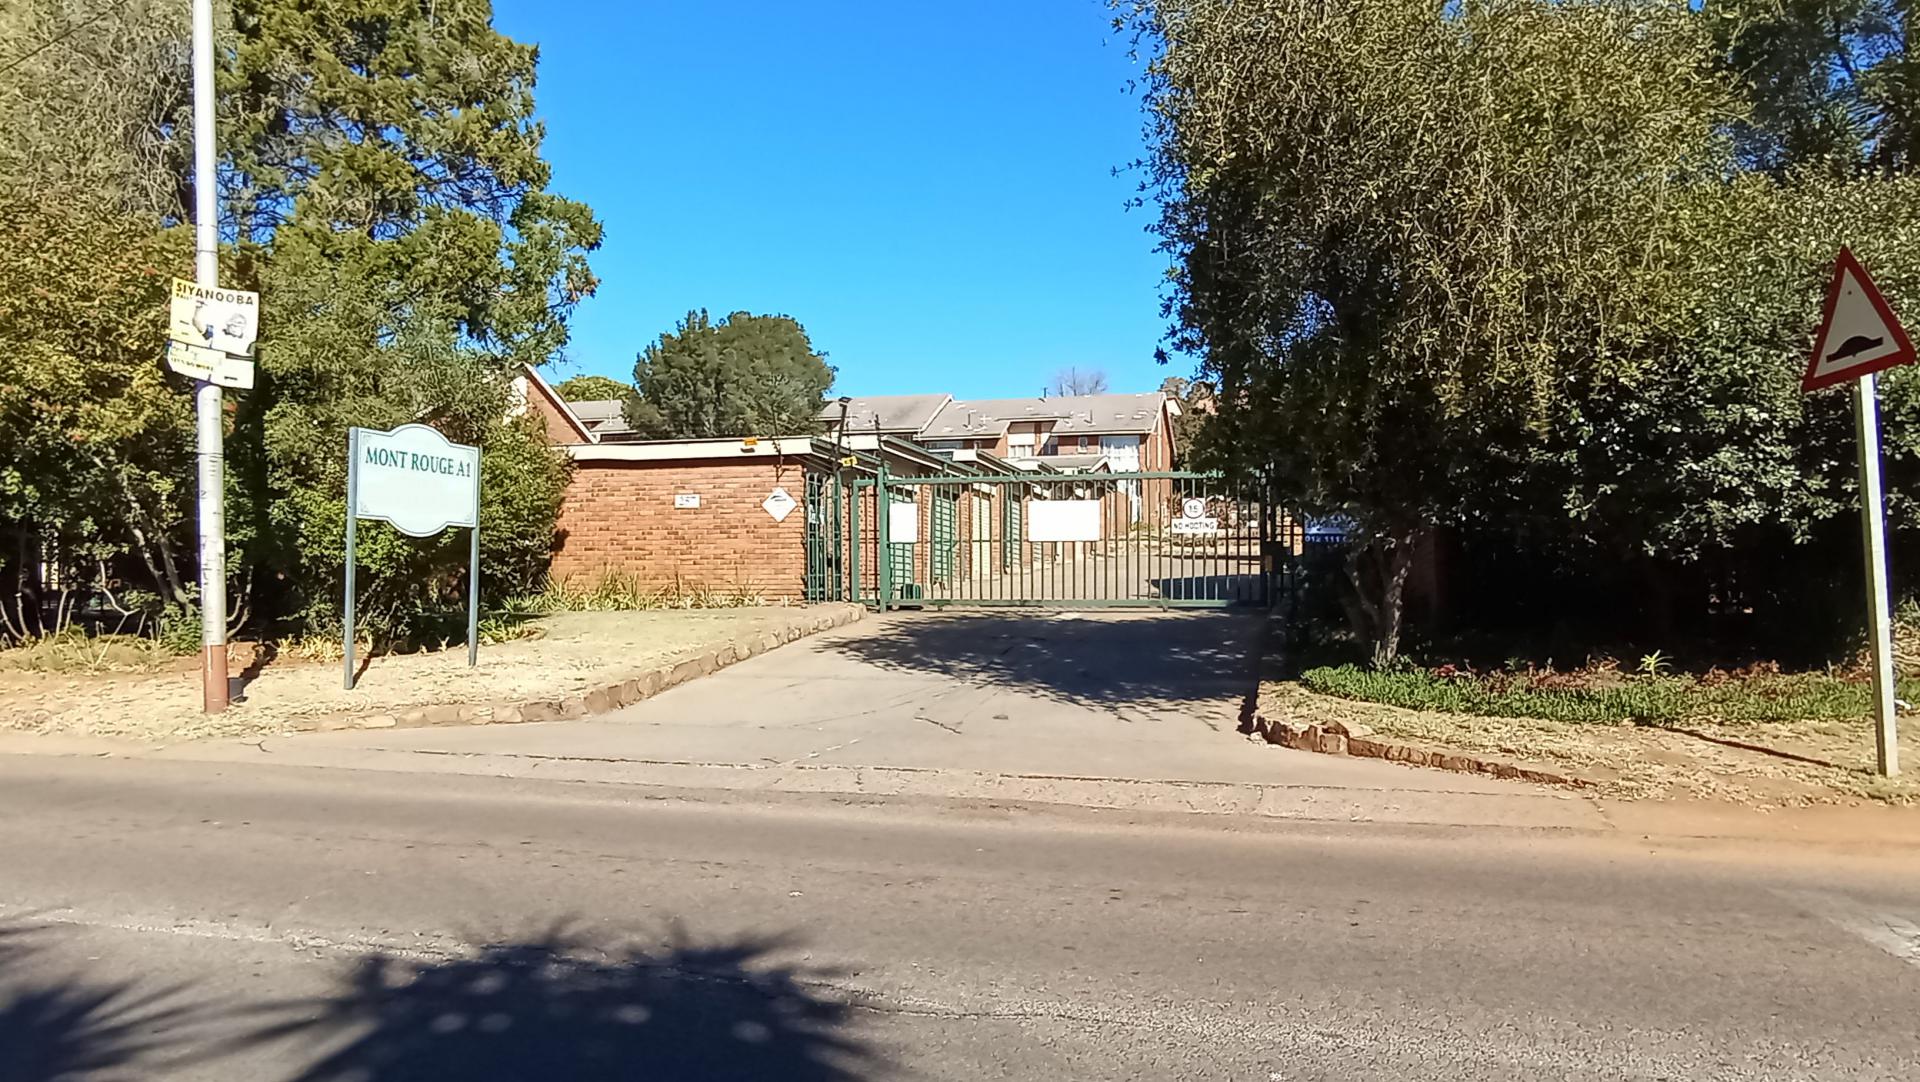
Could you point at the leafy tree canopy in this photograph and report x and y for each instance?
(382, 185)
(588, 388)
(746, 375)
(1830, 83)
(1503, 266)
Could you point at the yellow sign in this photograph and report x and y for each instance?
(210, 333)
(224, 319)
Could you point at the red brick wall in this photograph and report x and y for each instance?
(621, 515)
(559, 428)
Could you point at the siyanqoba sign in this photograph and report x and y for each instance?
(417, 481)
(414, 479)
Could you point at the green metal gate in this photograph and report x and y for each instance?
(1164, 539)
(943, 536)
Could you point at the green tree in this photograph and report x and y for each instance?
(588, 388)
(1195, 401)
(746, 375)
(1404, 231)
(1529, 270)
(1830, 83)
(382, 186)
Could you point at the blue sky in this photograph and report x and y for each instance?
(929, 188)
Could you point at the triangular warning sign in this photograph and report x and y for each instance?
(1858, 333)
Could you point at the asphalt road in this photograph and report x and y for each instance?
(212, 921)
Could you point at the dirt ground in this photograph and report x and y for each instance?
(1763, 765)
(573, 652)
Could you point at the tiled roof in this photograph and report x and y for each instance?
(895, 413)
(603, 416)
(1080, 414)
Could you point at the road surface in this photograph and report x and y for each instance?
(215, 921)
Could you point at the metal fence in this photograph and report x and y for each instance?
(1148, 539)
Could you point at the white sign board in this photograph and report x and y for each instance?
(414, 479)
(1193, 507)
(1196, 527)
(778, 504)
(686, 501)
(1063, 520)
(903, 524)
(209, 365)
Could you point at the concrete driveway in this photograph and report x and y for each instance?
(1068, 702)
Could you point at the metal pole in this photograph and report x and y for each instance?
(473, 577)
(856, 493)
(209, 452)
(473, 601)
(882, 527)
(346, 605)
(1866, 414)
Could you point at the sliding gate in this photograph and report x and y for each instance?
(1149, 539)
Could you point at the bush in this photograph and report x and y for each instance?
(615, 590)
(1607, 698)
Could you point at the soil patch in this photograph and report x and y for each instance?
(1760, 764)
(575, 654)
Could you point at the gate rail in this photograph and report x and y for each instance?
(1150, 539)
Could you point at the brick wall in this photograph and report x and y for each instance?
(541, 404)
(621, 515)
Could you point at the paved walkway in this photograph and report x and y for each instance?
(1132, 711)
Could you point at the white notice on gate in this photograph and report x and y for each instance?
(903, 524)
(1063, 520)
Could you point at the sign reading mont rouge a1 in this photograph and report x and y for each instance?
(413, 478)
(417, 481)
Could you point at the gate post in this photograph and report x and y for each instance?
(839, 552)
(882, 525)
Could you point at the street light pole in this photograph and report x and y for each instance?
(209, 451)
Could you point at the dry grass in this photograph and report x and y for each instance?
(77, 653)
(1775, 763)
(577, 651)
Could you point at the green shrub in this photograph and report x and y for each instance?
(616, 590)
(1609, 699)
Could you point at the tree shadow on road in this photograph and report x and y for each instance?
(70, 1028)
(1100, 660)
(560, 1006)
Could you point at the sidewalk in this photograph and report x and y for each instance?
(1392, 795)
(1110, 711)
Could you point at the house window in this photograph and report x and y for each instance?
(1020, 443)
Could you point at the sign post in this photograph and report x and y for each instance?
(1860, 336)
(209, 452)
(414, 480)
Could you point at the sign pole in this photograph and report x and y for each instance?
(353, 493)
(473, 580)
(209, 418)
(1866, 416)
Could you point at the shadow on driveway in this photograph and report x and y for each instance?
(1087, 659)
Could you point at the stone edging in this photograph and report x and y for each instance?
(606, 697)
(1337, 738)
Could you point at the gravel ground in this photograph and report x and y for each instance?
(1784, 764)
(574, 652)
